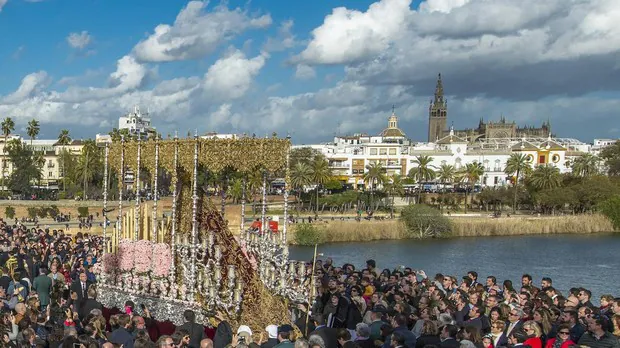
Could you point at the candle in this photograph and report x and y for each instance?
(231, 272)
(302, 269)
(217, 252)
(210, 237)
(212, 292)
(218, 274)
(239, 285)
(204, 243)
(237, 296)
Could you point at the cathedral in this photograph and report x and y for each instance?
(438, 119)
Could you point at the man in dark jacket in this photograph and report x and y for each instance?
(448, 337)
(328, 334)
(272, 337)
(196, 331)
(400, 325)
(122, 334)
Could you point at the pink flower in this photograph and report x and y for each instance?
(126, 255)
(110, 263)
(143, 255)
(162, 260)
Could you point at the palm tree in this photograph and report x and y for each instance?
(586, 165)
(235, 190)
(320, 175)
(32, 130)
(87, 163)
(395, 187)
(446, 173)
(301, 176)
(8, 125)
(517, 164)
(545, 177)
(471, 175)
(423, 172)
(375, 175)
(63, 140)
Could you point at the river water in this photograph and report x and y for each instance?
(591, 261)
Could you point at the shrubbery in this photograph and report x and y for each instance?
(307, 234)
(611, 209)
(32, 212)
(83, 211)
(422, 221)
(9, 212)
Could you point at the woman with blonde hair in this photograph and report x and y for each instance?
(542, 316)
(533, 332)
(429, 335)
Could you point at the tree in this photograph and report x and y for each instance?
(64, 139)
(471, 175)
(7, 127)
(118, 134)
(235, 190)
(88, 163)
(375, 175)
(611, 209)
(423, 172)
(611, 156)
(586, 165)
(320, 175)
(446, 173)
(545, 177)
(395, 187)
(26, 167)
(422, 221)
(516, 165)
(303, 155)
(301, 176)
(33, 130)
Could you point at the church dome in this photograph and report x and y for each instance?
(392, 131)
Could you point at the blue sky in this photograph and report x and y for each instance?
(309, 68)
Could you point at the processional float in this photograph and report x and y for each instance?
(190, 258)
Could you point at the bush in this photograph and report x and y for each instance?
(9, 212)
(53, 211)
(422, 221)
(32, 212)
(83, 212)
(42, 212)
(62, 195)
(611, 209)
(307, 234)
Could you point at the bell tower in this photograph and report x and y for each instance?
(437, 113)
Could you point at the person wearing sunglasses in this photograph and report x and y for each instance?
(562, 339)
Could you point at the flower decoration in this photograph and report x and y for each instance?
(110, 263)
(143, 256)
(126, 255)
(162, 260)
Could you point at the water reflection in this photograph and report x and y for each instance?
(570, 260)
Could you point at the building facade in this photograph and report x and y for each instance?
(137, 123)
(349, 157)
(438, 120)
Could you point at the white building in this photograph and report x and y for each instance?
(350, 156)
(137, 123)
(599, 144)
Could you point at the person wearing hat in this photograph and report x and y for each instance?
(244, 335)
(375, 326)
(284, 337)
(272, 340)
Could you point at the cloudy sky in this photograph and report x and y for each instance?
(310, 68)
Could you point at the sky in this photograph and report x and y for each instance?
(311, 69)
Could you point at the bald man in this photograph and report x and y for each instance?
(206, 343)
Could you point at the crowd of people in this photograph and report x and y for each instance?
(49, 299)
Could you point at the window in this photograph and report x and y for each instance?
(392, 152)
(382, 152)
(49, 174)
(496, 180)
(373, 151)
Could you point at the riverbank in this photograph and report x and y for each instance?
(347, 231)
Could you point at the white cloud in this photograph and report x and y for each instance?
(441, 5)
(79, 41)
(2, 3)
(304, 72)
(19, 52)
(284, 40)
(230, 77)
(196, 32)
(30, 86)
(347, 36)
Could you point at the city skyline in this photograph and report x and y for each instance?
(267, 66)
